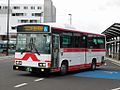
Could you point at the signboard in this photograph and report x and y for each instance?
(33, 28)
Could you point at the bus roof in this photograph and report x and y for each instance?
(68, 27)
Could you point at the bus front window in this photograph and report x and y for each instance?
(39, 43)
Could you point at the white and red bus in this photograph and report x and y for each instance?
(57, 48)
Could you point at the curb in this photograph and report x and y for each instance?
(113, 61)
(6, 57)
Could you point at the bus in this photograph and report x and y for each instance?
(57, 48)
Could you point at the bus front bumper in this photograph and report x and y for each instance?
(31, 69)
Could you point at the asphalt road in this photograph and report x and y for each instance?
(17, 80)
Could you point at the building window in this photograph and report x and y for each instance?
(4, 7)
(32, 7)
(39, 7)
(33, 21)
(36, 14)
(13, 28)
(16, 7)
(25, 7)
(18, 14)
(13, 14)
(24, 21)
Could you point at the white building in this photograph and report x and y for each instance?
(25, 13)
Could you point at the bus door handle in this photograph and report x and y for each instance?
(61, 53)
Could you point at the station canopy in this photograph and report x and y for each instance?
(112, 31)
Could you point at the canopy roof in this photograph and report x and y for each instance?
(112, 31)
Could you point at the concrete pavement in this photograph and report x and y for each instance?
(13, 80)
(6, 57)
(18, 80)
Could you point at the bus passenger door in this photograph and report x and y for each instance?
(55, 50)
(84, 46)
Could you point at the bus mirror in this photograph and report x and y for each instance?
(48, 39)
(84, 38)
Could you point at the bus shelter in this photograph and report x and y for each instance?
(113, 41)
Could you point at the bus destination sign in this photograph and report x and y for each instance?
(33, 28)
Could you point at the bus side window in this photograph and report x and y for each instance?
(66, 40)
(100, 42)
(92, 42)
(83, 43)
(76, 40)
(95, 42)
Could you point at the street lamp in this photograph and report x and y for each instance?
(41, 20)
(70, 18)
(8, 18)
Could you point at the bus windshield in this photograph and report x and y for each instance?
(39, 43)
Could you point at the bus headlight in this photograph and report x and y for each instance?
(18, 62)
(42, 64)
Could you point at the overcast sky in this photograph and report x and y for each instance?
(88, 15)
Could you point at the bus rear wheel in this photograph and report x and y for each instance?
(63, 68)
(93, 65)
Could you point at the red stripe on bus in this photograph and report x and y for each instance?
(74, 49)
(78, 67)
(27, 56)
(98, 50)
(47, 61)
(82, 66)
(82, 50)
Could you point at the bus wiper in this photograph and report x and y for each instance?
(25, 51)
(34, 47)
(37, 51)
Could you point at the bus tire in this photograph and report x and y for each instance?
(93, 65)
(64, 68)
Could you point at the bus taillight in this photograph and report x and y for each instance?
(49, 64)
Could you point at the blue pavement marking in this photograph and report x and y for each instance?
(100, 74)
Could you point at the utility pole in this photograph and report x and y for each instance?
(8, 18)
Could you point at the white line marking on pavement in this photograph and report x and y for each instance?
(110, 72)
(116, 89)
(20, 85)
(40, 79)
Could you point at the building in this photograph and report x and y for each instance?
(25, 13)
(113, 41)
(50, 11)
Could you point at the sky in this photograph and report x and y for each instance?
(88, 15)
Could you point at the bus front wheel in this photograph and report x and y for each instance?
(63, 68)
